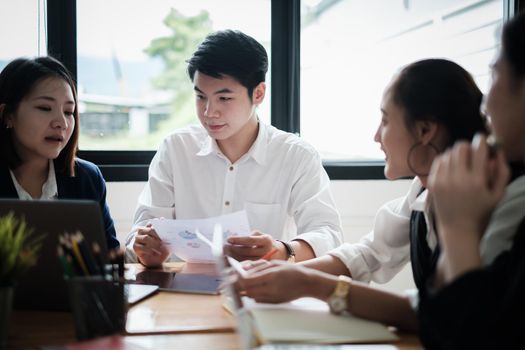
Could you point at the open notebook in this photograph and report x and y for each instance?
(309, 321)
(306, 321)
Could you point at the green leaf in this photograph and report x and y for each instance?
(19, 248)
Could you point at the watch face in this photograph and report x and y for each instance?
(337, 304)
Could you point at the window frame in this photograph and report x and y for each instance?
(285, 88)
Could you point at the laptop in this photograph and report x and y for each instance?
(42, 287)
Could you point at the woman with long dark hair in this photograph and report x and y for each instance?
(39, 131)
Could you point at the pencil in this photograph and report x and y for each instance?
(271, 253)
(86, 254)
(68, 250)
(98, 259)
(66, 265)
(78, 256)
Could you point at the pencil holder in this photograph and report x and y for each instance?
(99, 306)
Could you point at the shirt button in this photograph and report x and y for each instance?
(227, 203)
(231, 168)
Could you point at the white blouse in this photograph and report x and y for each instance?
(382, 253)
(49, 188)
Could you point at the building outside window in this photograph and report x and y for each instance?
(132, 80)
(350, 50)
(134, 90)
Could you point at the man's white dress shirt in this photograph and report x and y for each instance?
(280, 182)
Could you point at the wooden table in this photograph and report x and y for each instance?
(166, 320)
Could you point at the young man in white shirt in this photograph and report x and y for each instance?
(233, 162)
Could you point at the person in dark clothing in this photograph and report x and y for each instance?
(466, 305)
(39, 136)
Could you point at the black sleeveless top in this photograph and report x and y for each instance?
(423, 259)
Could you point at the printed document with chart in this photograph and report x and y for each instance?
(181, 239)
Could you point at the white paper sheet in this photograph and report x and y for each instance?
(237, 266)
(180, 238)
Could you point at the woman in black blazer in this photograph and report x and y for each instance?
(39, 137)
(467, 306)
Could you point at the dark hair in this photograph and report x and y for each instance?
(17, 80)
(513, 45)
(441, 91)
(232, 53)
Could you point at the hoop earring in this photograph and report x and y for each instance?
(411, 151)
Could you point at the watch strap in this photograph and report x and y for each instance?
(290, 252)
(343, 286)
(338, 300)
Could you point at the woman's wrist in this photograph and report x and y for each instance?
(459, 257)
(321, 285)
(457, 239)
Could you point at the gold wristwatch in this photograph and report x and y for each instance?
(338, 300)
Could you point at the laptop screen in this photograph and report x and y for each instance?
(42, 287)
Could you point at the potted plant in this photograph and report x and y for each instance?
(18, 252)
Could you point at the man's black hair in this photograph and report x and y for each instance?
(232, 53)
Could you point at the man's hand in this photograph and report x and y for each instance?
(253, 247)
(148, 246)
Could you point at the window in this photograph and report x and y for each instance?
(28, 20)
(344, 122)
(132, 80)
(350, 50)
